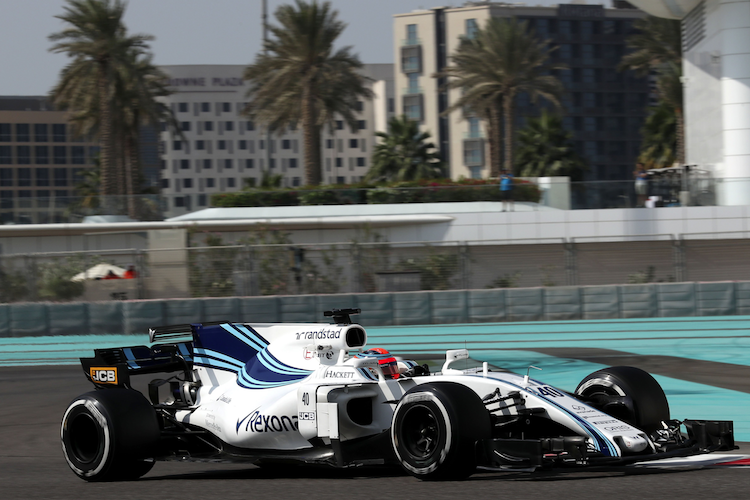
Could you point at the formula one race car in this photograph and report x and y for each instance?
(294, 393)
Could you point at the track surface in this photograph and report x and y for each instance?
(32, 400)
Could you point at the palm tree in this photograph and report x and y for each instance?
(504, 59)
(139, 84)
(657, 47)
(659, 137)
(299, 77)
(404, 154)
(99, 44)
(545, 149)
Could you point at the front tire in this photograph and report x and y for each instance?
(109, 435)
(627, 393)
(435, 428)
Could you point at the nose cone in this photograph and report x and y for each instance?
(632, 444)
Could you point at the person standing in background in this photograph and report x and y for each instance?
(506, 189)
(641, 184)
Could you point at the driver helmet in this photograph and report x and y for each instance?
(386, 362)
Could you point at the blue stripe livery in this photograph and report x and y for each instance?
(240, 349)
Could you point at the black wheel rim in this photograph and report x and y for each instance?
(84, 437)
(609, 400)
(420, 432)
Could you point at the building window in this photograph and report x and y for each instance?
(339, 162)
(205, 107)
(6, 176)
(24, 177)
(22, 132)
(229, 126)
(200, 145)
(230, 182)
(182, 107)
(249, 125)
(228, 163)
(165, 183)
(176, 145)
(5, 132)
(202, 200)
(60, 155)
(476, 172)
(362, 124)
(339, 124)
(241, 144)
(413, 84)
(207, 164)
(329, 143)
(210, 182)
(208, 126)
(59, 132)
(6, 199)
(286, 144)
(292, 162)
(340, 179)
(471, 29)
(221, 144)
(77, 155)
(187, 183)
(361, 161)
(353, 143)
(179, 202)
(249, 163)
(295, 181)
(359, 106)
(23, 155)
(40, 132)
(411, 34)
(61, 177)
(6, 157)
(185, 126)
(184, 164)
(226, 107)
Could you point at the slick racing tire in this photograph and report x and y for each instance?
(109, 435)
(627, 393)
(435, 428)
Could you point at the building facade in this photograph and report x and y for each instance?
(40, 161)
(716, 69)
(604, 108)
(222, 150)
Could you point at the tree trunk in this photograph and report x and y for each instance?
(509, 132)
(495, 133)
(107, 182)
(131, 173)
(311, 138)
(680, 137)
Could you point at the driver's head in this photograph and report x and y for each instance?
(386, 362)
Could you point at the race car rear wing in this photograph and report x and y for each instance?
(114, 367)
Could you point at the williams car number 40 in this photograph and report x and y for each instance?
(315, 394)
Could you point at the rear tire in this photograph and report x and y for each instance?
(435, 428)
(109, 435)
(627, 393)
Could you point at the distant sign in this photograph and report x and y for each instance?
(205, 82)
(579, 11)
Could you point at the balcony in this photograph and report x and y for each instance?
(411, 42)
(412, 91)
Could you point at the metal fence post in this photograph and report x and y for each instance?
(464, 263)
(678, 255)
(571, 270)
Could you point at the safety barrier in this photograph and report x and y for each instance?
(384, 309)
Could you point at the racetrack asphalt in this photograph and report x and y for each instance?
(32, 401)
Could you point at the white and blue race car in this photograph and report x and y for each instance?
(314, 394)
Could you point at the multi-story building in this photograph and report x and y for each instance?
(603, 108)
(40, 161)
(222, 150)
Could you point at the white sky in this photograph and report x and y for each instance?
(189, 32)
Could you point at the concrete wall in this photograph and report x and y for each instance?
(385, 309)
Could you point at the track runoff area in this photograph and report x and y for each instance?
(703, 364)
